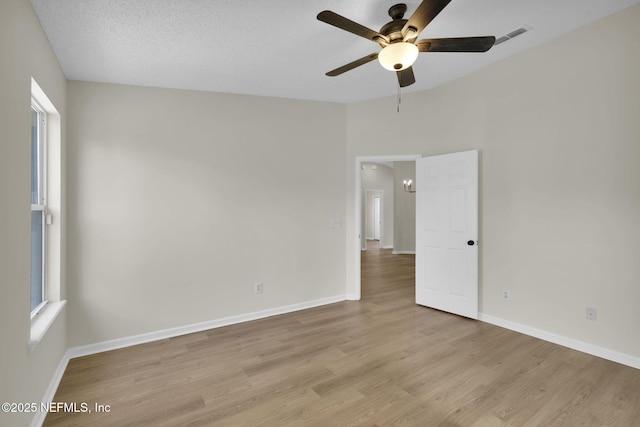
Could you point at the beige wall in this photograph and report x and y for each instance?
(24, 53)
(558, 131)
(404, 209)
(179, 201)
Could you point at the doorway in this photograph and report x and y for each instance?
(359, 212)
(377, 220)
(373, 226)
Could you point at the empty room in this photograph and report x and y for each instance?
(199, 249)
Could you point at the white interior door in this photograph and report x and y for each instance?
(447, 233)
(376, 218)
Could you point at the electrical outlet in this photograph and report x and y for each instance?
(505, 294)
(259, 287)
(591, 313)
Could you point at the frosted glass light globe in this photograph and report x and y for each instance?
(398, 56)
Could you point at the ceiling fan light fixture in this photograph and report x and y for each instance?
(398, 56)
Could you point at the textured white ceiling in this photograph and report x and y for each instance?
(278, 47)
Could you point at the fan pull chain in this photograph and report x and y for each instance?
(399, 99)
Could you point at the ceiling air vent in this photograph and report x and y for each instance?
(512, 34)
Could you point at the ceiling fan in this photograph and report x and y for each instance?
(398, 39)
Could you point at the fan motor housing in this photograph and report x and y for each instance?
(393, 30)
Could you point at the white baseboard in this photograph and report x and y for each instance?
(115, 344)
(403, 252)
(196, 327)
(50, 393)
(605, 353)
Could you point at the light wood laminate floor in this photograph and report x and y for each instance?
(382, 361)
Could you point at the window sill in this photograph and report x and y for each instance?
(41, 323)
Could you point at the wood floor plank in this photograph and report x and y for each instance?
(381, 361)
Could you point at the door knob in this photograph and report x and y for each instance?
(471, 243)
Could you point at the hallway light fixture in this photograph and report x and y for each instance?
(408, 186)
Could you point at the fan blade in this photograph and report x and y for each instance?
(352, 65)
(424, 14)
(406, 77)
(459, 44)
(343, 23)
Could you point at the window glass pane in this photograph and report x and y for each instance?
(37, 234)
(35, 178)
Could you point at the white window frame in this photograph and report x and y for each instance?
(41, 206)
(43, 316)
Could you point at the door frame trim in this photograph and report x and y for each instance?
(358, 209)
